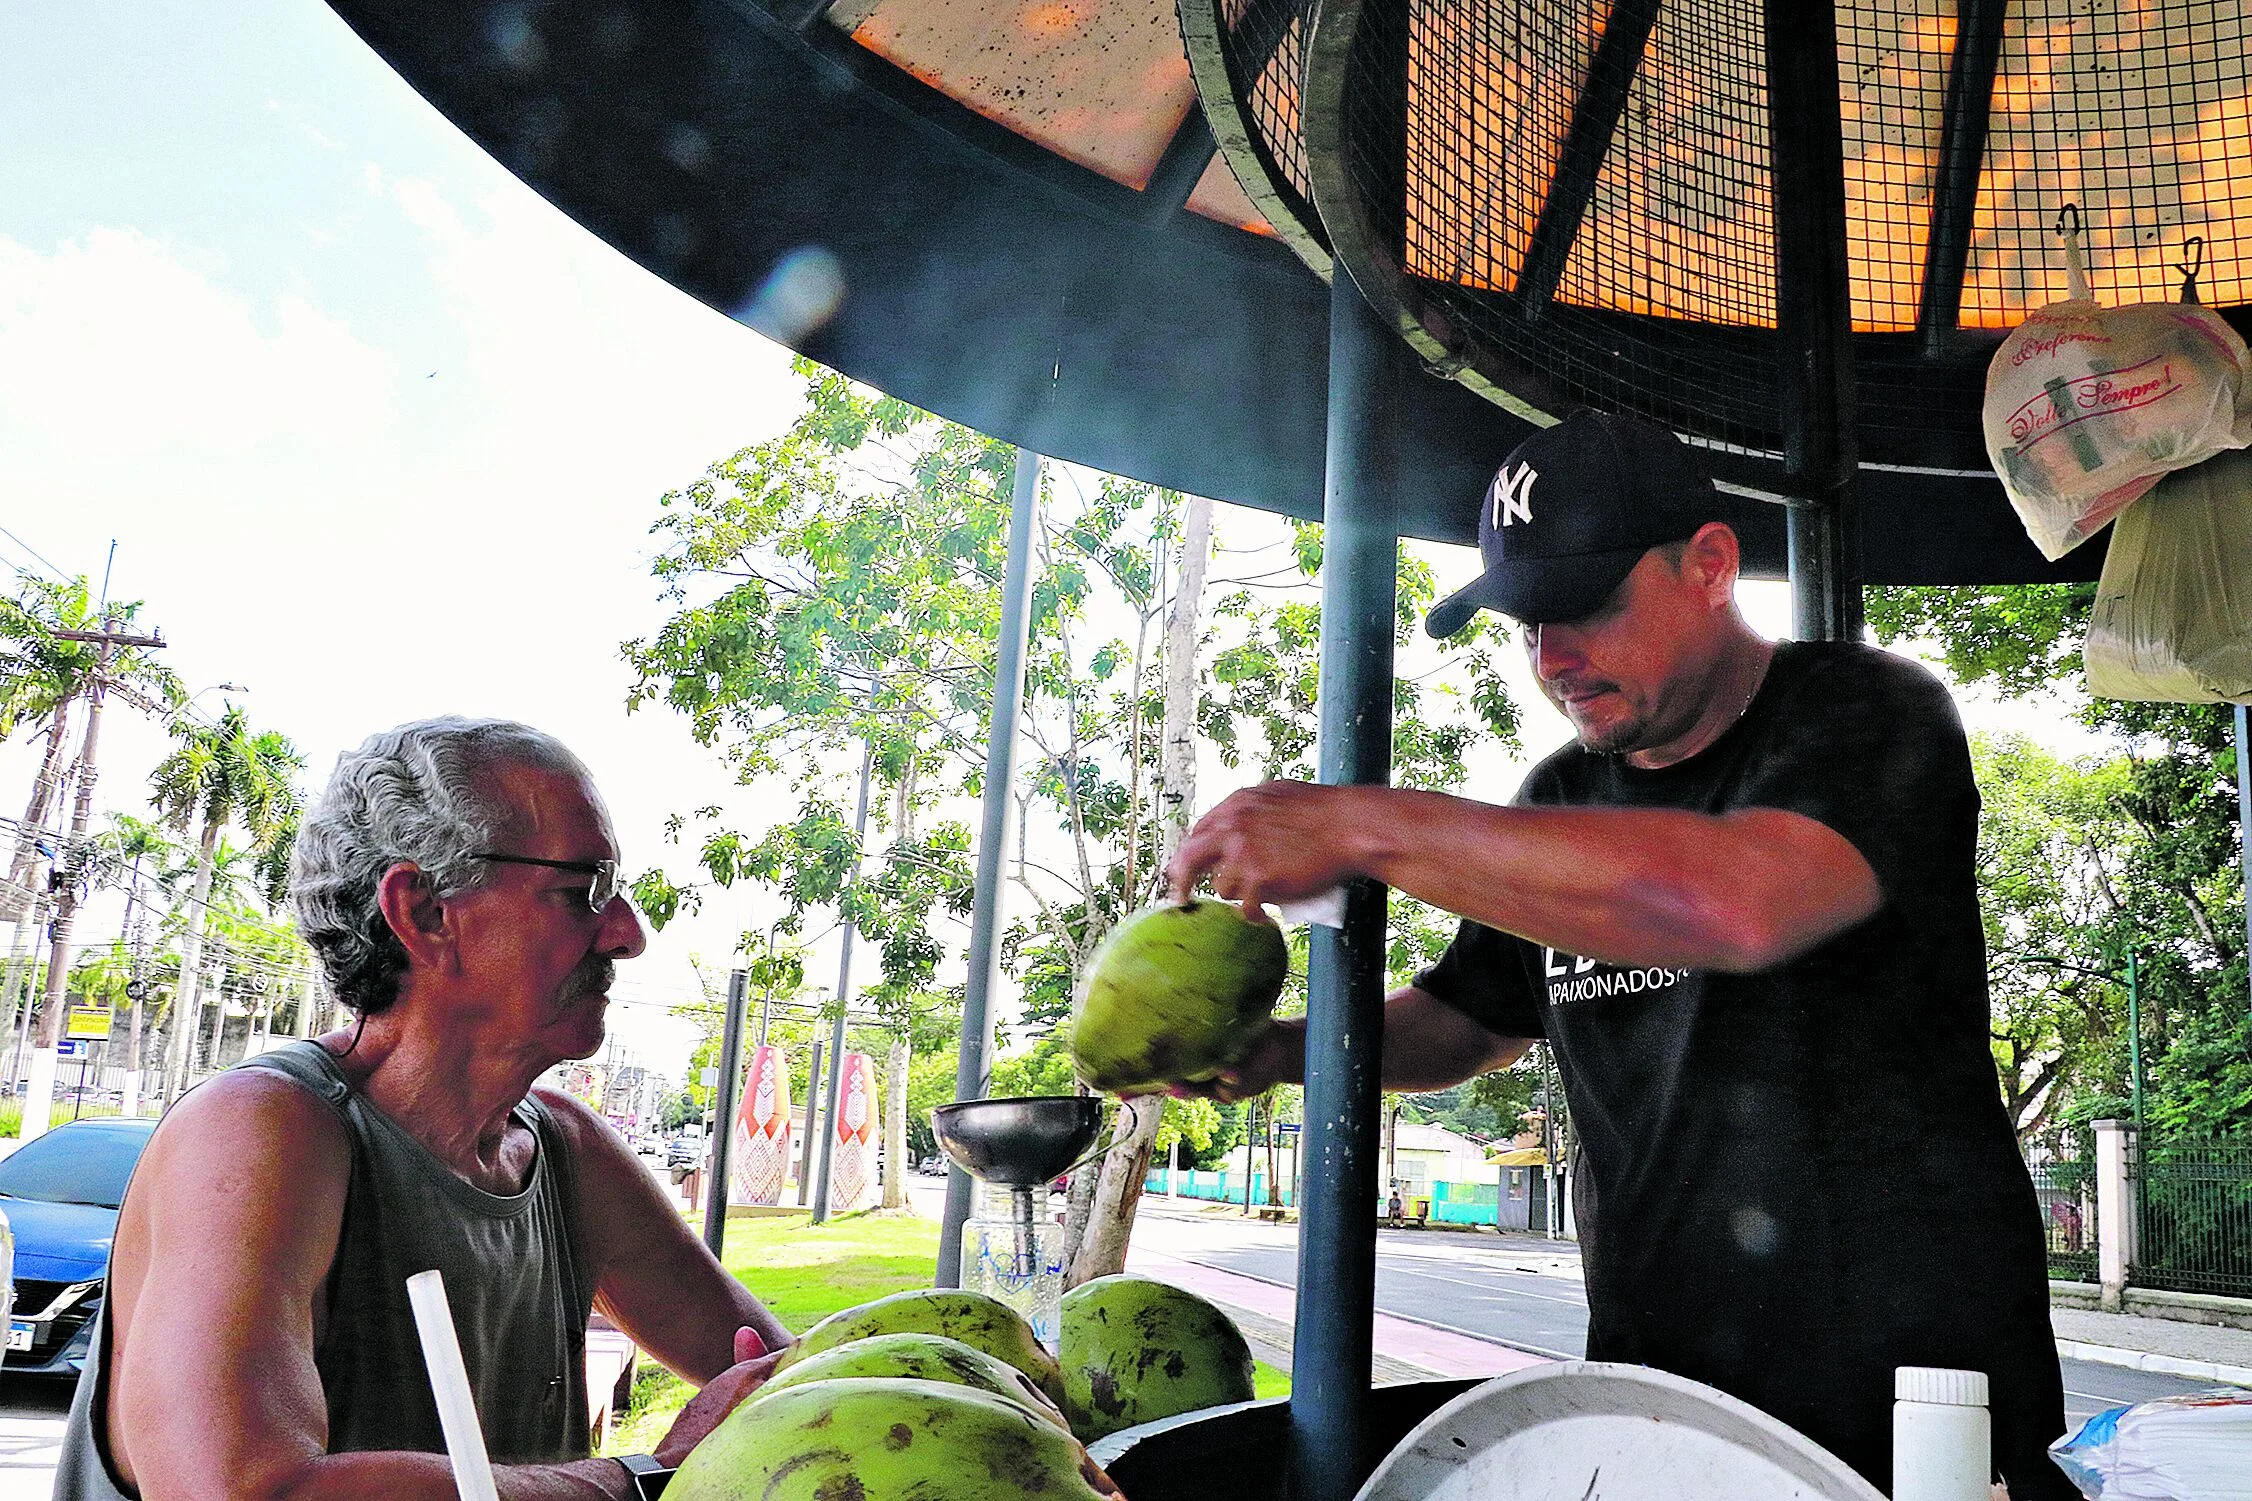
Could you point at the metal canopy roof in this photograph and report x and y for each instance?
(1023, 220)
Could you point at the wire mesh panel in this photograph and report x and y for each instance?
(2196, 1204)
(1248, 59)
(2141, 114)
(1572, 202)
(2066, 1190)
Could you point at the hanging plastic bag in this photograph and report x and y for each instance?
(2172, 619)
(2194, 1447)
(2086, 406)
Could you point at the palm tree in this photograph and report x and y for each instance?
(218, 774)
(124, 847)
(41, 678)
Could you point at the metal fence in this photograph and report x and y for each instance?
(2066, 1187)
(2195, 1235)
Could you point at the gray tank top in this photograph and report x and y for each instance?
(515, 1277)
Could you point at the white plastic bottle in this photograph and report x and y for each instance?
(1942, 1446)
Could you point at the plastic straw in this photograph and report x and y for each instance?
(449, 1382)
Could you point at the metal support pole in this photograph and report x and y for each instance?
(1814, 318)
(2244, 825)
(1250, 1140)
(730, 1089)
(812, 1124)
(1334, 1338)
(844, 993)
(2135, 1036)
(973, 1068)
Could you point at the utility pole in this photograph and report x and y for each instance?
(39, 1098)
(730, 1092)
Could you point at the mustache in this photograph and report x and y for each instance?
(593, 977)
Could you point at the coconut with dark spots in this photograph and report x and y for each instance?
(919, 1357)
(1174, 996)
(981, 1322)
(887, 1439)
(1135, 1350)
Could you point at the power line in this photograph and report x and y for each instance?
(60, 576)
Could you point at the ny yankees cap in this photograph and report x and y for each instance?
(1569, 514)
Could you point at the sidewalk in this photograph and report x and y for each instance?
(2192, 1352)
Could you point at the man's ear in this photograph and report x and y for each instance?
(1712, 559)
(415, 915)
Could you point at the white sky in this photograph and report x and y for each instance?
(379, 433)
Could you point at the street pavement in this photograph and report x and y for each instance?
(32, 1410)
(1518, 1292)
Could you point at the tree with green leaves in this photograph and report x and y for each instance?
(123, 850)
(2153, 866)
(218, 774)
(838, 587)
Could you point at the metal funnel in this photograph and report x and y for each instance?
(1018, 1143)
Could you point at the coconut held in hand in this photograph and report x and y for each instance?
(1176, 993)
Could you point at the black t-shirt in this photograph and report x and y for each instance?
(1792, 1181)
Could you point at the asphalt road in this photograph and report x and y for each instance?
(32, 1410)
(1521, 1294)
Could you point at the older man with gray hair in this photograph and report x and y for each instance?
(459, 880)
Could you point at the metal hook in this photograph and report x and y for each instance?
(2068, 220)
(2193, 252)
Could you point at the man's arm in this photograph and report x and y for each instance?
(1427, 1045)
(651, 1273)
(223, 1247)
(1740, 891)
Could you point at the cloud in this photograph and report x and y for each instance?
(116, 345)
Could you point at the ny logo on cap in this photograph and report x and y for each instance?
(1512, 496)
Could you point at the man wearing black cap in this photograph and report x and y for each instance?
(1741, 908)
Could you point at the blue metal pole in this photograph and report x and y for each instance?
(1334, 1339)
(973, 1069)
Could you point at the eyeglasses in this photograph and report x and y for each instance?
(602, 875)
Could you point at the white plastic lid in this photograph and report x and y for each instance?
(1623, 1433)
(1939, 1385)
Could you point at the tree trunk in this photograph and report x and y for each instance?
(1125, 1167)
(895, 1122)
(20, 895)
(184, 1003)
(218, 1021)
(19, 959)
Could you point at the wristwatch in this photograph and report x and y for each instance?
(649, 1477)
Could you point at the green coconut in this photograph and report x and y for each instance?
(887, 1439)
(1135, 1350)
(918, 1357)
(981, 1322)
(1175, 994)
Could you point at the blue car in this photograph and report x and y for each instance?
(60, 1192)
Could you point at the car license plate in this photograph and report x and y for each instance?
(19, 1336)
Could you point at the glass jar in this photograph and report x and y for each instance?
(1013, 1251)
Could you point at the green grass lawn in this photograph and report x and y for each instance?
(805, 1273)
(60, 1114)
